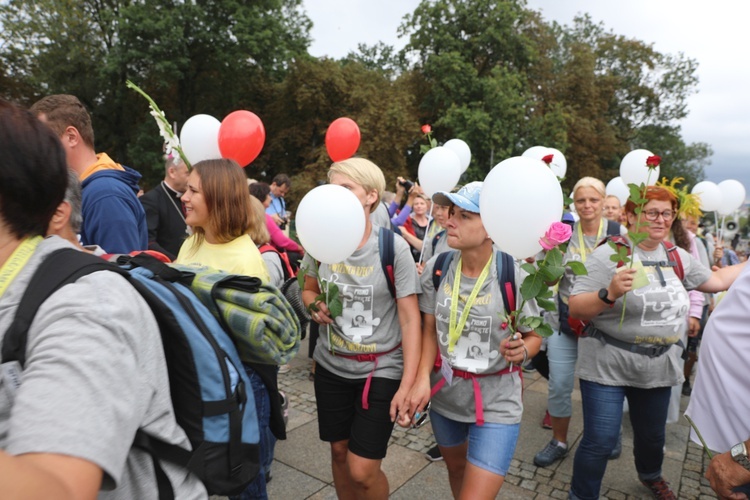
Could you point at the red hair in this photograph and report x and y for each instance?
(654, 193)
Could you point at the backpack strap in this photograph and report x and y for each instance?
(286, 266)
(386, 247)
(57, 270)
(437, 238)
(442, 263)
(506, 274)
(674, 257)
(613, 228)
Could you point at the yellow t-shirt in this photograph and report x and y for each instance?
(239, 256)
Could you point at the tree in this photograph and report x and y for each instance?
(315, 93)
(192, 57)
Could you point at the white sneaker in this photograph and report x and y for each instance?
(285, 369)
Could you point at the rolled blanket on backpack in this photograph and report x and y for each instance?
(260, 320)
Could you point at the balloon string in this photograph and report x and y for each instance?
(426, 232)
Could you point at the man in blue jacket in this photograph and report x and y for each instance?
(112, 216)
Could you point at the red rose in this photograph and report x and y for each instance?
(548, 159)
(426, 129)
(653, 161)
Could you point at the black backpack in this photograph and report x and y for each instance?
(211, 395)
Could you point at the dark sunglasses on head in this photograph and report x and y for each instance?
(421, 418)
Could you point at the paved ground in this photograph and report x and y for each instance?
(302, 467)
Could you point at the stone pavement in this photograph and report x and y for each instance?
(302, 466)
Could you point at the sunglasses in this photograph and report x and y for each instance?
(421, 418)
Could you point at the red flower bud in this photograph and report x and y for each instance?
(503, 326)
(548, 159)
(653, 161)
(426, 129)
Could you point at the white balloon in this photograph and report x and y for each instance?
(462, 150)
(633, 169)
(520, 198)
(559, 164)
(732, 196)
(199, 138)
(709, 194)
(330, 223)
(439, 170)
(536, 152)
(618, 188)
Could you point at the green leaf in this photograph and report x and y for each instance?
(333, 291)
(545, 304)
(544, 330)
(335, 308)
(578, 268)
(529, 268)
(546, 293)
(556, 272)
(531, 286)
(301, 277)
(554, 257)
(423, 148)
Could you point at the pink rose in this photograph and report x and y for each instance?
(558, 233)
(548, 159)
(426, 129)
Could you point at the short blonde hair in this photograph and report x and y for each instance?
(363, 172)
(590, 182)
(258, 229)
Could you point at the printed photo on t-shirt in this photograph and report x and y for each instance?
(356, 320)
(473, 351)
(663, 306)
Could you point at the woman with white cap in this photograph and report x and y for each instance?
(471, 353)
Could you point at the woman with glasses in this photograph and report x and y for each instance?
(470, 354)
(634, 358)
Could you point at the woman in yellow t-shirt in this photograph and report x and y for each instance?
(217, 208)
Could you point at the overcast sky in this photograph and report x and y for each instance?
(714, 34)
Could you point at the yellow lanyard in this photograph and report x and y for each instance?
(582, 244)
(455, 328)
(17, 261)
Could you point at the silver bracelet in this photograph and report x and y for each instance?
(525, 354)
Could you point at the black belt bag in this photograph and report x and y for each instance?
(652, 351)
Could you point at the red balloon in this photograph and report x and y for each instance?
(342, 139)
(241, 137)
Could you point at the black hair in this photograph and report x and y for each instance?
(33, 172)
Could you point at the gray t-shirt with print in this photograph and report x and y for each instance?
(654, 315)
(95, 373)
(440, 246)
(369, 323)
(477, 350)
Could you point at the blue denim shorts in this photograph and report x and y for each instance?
(491, 446)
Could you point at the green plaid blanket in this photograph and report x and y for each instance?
(260, 320)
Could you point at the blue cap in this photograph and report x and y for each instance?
(466, 198)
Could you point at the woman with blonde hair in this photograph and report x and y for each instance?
(365, 365)
(562, 346)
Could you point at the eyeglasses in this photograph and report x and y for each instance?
(422, 418)
(652, 215)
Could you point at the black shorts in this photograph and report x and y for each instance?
(341, 416)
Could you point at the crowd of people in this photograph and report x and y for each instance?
(424, 329)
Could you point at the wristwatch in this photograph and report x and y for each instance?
(604, 295)
(739, 455)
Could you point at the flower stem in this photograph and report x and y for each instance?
(637, 230)
(698, 433)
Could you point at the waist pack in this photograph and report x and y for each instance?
(260, 320)
(211, 395)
